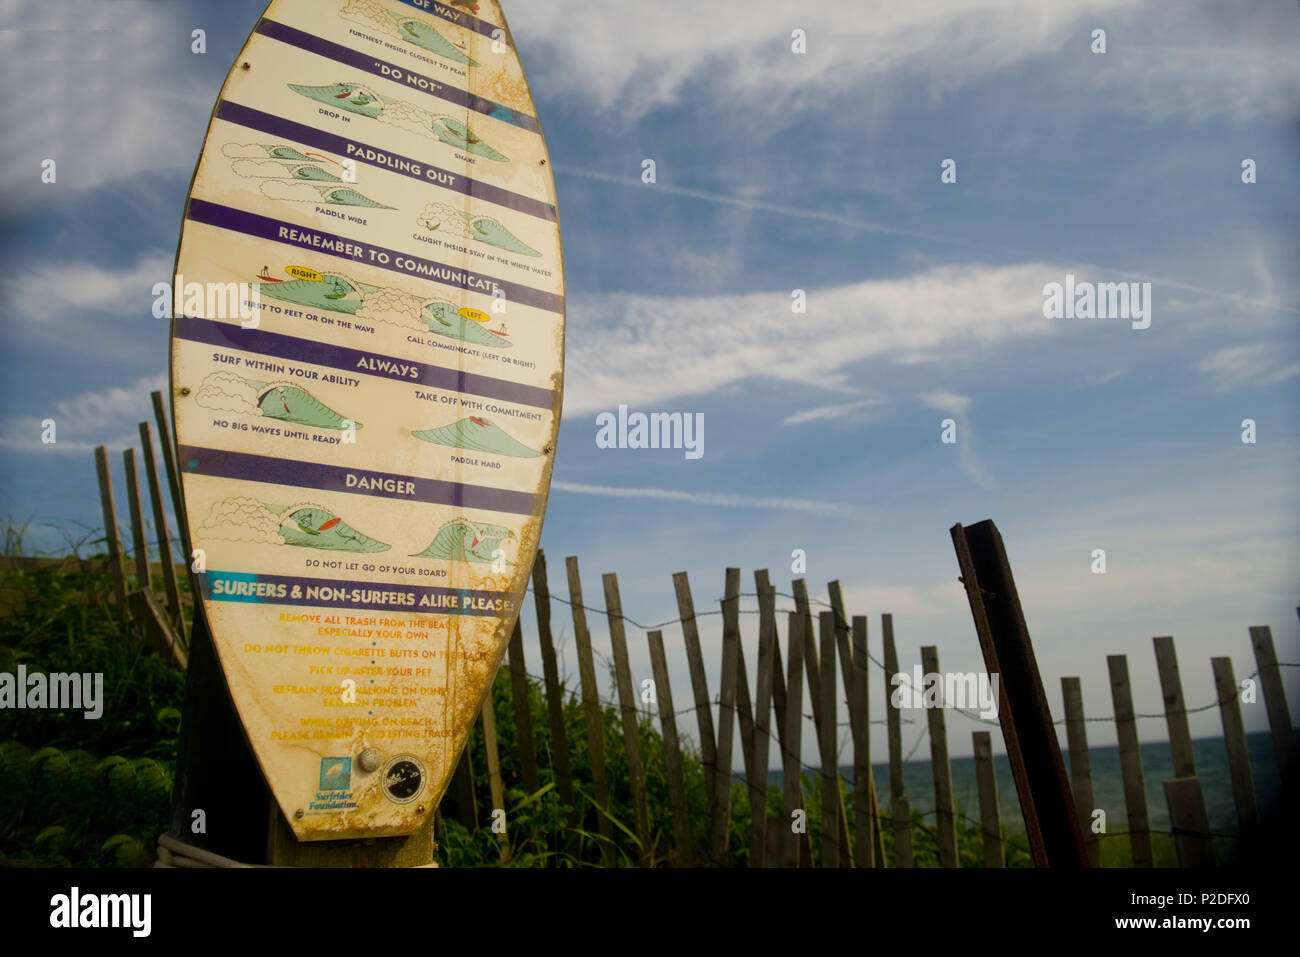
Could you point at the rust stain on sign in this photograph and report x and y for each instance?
(367, 373)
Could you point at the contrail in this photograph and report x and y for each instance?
(726, 500)
(874, 227)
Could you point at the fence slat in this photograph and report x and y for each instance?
(855, 696)
(945, 819)
(754, 789)
(627, 700)
(523, 712)
(1171, 687)
(987, 781)
(1189, 822)
(496, 790)
(465, 790)
(1279, 716)
(1076, 731)
(560, 764)
(792, 763)
(763, 585)
(727, 681)
(700, 686)
(812, 668)
(160, 528)
(899, 809)
(173, 476)
(762, 738)
(139, 548)
(672, 751)
(829, 763)
(1234, 739)
(115, 562)
(1130, 761)
(591, 709)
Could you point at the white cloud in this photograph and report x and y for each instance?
(1257, 364)
(101, 417)
(1187, 59)
(114, 93)
(44, 293)
(958, 406)
(722, 499)
(638, 349)
(828, 412)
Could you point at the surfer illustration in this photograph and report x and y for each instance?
(282, 176)
(461, 540)
(363, 101)
(405, 26)
(478, 434)
(336, 293)
(444, 218)
(228, 392)
(242, 519)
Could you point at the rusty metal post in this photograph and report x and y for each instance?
(1032, 747)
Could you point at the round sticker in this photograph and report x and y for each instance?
(403, 779)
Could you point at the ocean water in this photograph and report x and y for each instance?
(1107, 784)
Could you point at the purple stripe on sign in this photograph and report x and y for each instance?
(263, 589)
(247, 467)
(305, 237)
(452, 15)
(230, 336)
(415, 81)
(278, 126)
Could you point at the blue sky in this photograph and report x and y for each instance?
(779, 171)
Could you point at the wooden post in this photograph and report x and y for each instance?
(115, 562)
(827, 735)
(762, 726)
(777, 829)
(767, 594)
(1279, 716)
(672, 751)
(853, 668)
(554, 691)
(700, 686)
(158, 630)
(1234, 739)
(496, 790)
(140, 549)
(164, 538)
(1076, 731)
(591, 709)
(465, 790)
(1033, 749)
(1130, 761)
(1189, 823)
(945, 819)
(990, 820)
(1171, 686)
(169, 463)
(899, 809)
(792, 765)
(726, 727)
(755, 789)
(523, 712)
(627, 706)
(812, 668)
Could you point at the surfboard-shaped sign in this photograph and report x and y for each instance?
(367, 363)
